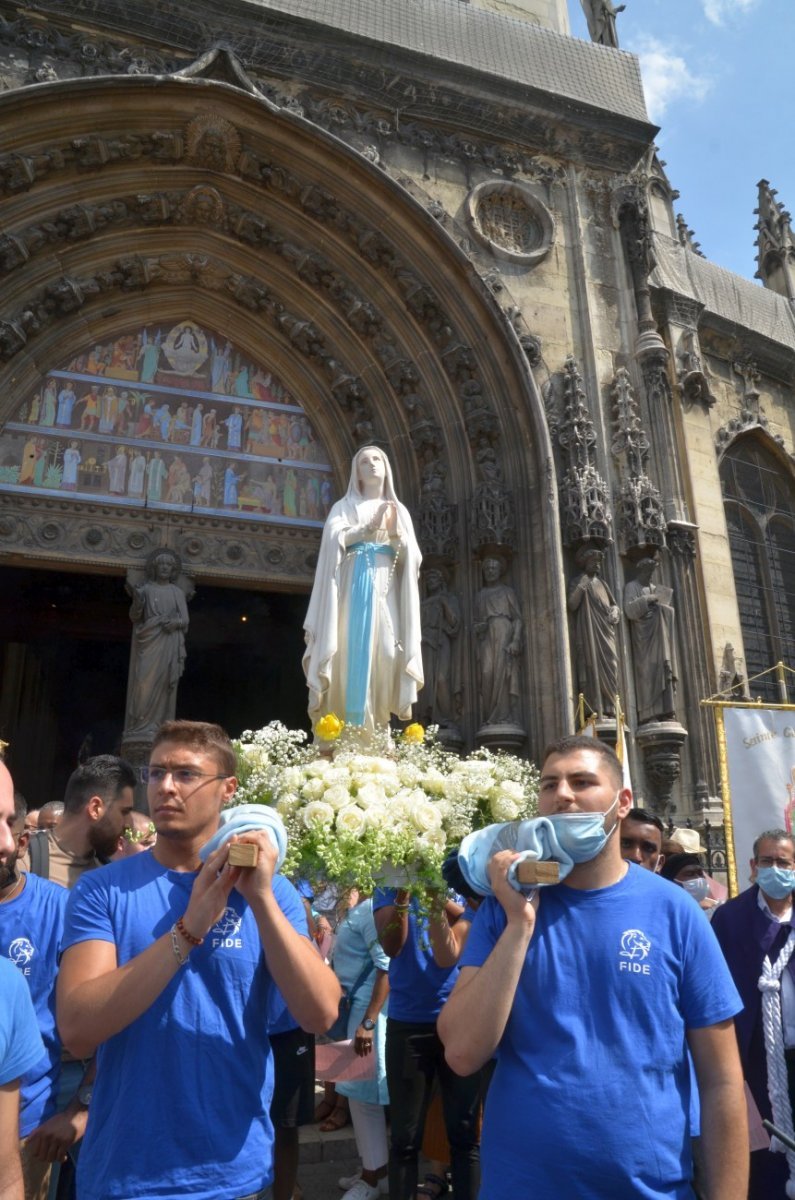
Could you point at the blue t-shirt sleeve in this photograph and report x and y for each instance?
(21, 1047)
(279, 1018)
(382, 897)
(305, 889)
(486, 928)
(708, 993)
(88, 916)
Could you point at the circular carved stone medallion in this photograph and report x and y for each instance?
(511, 221)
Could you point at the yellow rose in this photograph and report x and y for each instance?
(329, 727)
(414, 733)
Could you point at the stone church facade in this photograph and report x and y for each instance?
(442, 228)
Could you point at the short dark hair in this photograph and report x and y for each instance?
(579, 741)
(644, 817)
(104, 775)
(20, 806)
(202, 736)
(53, 806)
(774, 835)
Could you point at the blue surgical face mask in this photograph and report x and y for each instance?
(698, 888)
(776, 882)
(582, 835)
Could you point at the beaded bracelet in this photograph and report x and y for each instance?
(178, 955)
(180, 928)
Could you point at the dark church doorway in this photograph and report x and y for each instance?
(64, 656)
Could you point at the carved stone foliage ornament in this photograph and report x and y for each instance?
(508, 218)
(641, 517)
(64, 532)
(661, 743)
(493, 518)
(751, 415)
(587, 515)
(438, 518)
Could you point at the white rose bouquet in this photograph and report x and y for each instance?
(381, 814)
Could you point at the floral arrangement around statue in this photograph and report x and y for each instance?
(384, 813)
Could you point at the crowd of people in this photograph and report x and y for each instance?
(160, 1006)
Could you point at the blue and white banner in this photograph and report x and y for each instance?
(760, 761)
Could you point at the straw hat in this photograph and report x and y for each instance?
(688, 839)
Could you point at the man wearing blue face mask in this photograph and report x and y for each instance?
(686, 871)
(756, 935)
(589, 994)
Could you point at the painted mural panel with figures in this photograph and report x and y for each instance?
(169, 418)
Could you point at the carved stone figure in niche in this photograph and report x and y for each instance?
(601, 17)
(159, 613)
(204, 206)
(498, 630)
(651, 616)
(363, 658)
(441, 625)
(213, 142)
(596, 616)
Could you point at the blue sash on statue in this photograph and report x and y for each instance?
(360, 627)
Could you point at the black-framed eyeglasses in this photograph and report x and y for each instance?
(182, 776)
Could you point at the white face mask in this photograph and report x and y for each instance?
(582, 835)
(697, 888)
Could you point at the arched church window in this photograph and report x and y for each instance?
(169, 416)
(760, 514)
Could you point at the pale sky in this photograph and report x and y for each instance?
(719, 81)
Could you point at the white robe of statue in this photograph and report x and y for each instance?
(370, 532)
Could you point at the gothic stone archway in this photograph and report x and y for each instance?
(134, 200)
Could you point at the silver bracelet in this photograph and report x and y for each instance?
(178, 955)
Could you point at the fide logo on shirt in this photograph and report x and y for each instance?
(225, 931)
(21, 953)
(635, 947)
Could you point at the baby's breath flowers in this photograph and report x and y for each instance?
(385, 812)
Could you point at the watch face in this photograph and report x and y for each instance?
(84, 1094)
(368, 1024)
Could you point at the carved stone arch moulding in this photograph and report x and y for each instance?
(193, 189)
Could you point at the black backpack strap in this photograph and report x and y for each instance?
(39, 854)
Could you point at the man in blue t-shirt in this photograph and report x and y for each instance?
(21, 1047)
(589, 995)
(168, 968)
(415, 1062)
(31, 927)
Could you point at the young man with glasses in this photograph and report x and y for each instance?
(167, 969)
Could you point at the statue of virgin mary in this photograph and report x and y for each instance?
(363, 658)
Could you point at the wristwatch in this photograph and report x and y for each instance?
(84, 1094)
(369, 1024)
